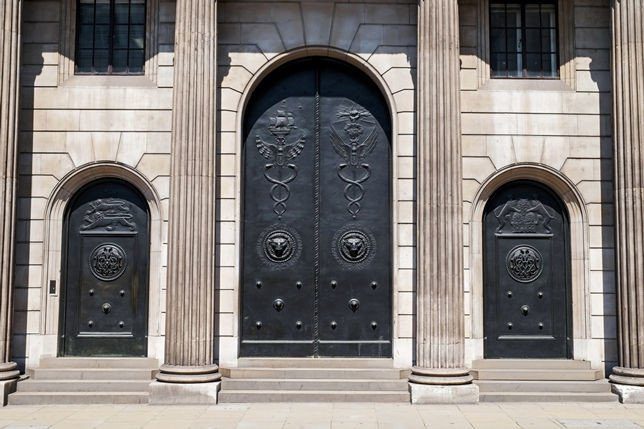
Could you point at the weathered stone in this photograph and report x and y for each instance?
(437, 394)
(184, 394)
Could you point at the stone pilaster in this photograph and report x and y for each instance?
(10, 12)
(628, 133)
(189, 374)
(439, 375)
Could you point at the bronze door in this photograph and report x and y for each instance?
(526, 279)
(104, 295)
(317, 226)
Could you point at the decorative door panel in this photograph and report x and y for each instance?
(527, 295)
(105, 290)
(317, 192)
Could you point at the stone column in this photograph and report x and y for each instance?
(10, 12)
(189, 374)
(439, 375)
(628, 132)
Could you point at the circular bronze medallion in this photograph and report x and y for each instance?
(524, 263)
(278, 246)
(108, 261)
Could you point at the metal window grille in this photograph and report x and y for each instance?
(524, 39)
(110, 37)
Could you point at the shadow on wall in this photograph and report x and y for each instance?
(26, 281)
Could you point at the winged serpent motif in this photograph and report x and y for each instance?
(354, 148)
(279, 171)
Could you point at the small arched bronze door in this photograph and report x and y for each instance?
(527, 274)
(317, 221)
(104, 295)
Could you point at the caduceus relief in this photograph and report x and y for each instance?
(354, 123)
(279, 171)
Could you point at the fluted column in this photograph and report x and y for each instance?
(628, 134)
(439, 374)
(190, 314)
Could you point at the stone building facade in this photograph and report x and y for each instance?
(554, 158)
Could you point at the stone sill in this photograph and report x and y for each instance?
(525, 85)
(92, 81)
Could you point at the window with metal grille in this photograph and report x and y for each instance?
(523, 39)
(110, 37)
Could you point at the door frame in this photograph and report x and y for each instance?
(567, 261)
(47, 343)
(402, 273)
(583, 345)
(243, 184)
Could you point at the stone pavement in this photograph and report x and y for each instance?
(328, 416)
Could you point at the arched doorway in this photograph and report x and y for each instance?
(527, 298)
(317, 269)
(104, 295)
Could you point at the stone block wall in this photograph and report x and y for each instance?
(563, 125)
(67, 124)
(377, 36)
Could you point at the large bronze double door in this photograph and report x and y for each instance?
(317, 226)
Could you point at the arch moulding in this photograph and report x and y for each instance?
(579, 266)
(54, 217)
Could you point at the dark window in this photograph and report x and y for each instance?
(110, 37)
(523, 39)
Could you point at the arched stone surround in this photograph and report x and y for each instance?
(402, 256)
(583, 348)
(53, 241)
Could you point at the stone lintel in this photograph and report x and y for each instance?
(184, 393)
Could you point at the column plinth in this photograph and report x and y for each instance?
(628, 134)
(190, 374)
(440, 375)
(10, 20)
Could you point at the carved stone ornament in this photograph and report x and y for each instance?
(108, 261)
(108, 213)
(354, 136)
(286, 145)
(524, 263)
(279, 246)
(523, 216)
(353, 247)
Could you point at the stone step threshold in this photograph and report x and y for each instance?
(496, 386)
(546, 397)
(305, 384)
(53, 398)
(315, 373)
(32, 385)
(246, 396)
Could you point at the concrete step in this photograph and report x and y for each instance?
(314, 384)
(241, 396)
(546, 397)
(314, 363)
(44, 398)
(92, 374)
(316, 373)
(32, 385)
(76, 362)
(537, 374)
(508, 386)
(530, 364)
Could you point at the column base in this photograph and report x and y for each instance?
(188, 374)
(184, 393)
(9, 374)
(628, 384)
(442, 386)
